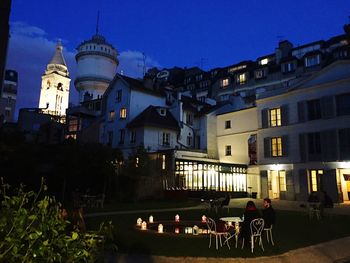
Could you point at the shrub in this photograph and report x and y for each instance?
(33, 230)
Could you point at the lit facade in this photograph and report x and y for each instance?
(54, 93)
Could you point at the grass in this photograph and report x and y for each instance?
(293, 230)
(149, 205)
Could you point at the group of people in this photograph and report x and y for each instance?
(251, 213)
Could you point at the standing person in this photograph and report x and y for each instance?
(268, 213)
(250, 213)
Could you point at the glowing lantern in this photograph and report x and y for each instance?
(195, 230)
(139, 221)
(160, 228)
(204, 219)
(150, 219)
(144, 225)
(177, 230)
(177, 218)
(229, 223)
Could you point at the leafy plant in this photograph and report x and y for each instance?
(33, 230)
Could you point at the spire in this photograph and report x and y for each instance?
(58, 57)
(97, 22)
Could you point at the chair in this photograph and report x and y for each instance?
(256, 228)
(314, 210)
(100, 200)
(269, 235)
(226, 203)
(212, 231)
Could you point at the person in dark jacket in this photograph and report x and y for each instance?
(268, 213)
(250, 213)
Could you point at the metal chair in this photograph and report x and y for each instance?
(256, 228)
(269, 235)
(212, 231)
(314, 210)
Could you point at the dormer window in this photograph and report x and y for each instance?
(312, 60)
(225, 82)
(162, 111)
(264, 61)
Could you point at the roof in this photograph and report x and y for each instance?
(58, 56)
(138, 85)
(97, 39)
(151, 117)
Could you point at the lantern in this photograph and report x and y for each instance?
(195, 230)
(229, 223)
(150, 219)
(177, 230)
(204, 219)
(177, 218)
(160, 228)
(139, 221)
(144, 225)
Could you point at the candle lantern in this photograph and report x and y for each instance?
(139, 221)
(160, 228)
(204, 219)
(195, 230)
(144, 225)
(150, 219)
(229, 223)
(177, 230)
(177, 218)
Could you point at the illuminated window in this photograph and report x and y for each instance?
(315, 180)
(123, 113)
(111, 115)
(228, 150)
(163, 161)
(276, 146)
(137, 162)
(241, 78)
(224, 83)
(166, 138)
(227, 124)
(275, 117)
(282, 180)
(264, 61)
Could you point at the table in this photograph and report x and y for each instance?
(230, 220)
(213, 203)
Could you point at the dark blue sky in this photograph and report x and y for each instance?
(170, 33)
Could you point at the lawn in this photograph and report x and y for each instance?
(292, 230)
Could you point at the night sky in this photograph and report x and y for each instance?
(202, 33)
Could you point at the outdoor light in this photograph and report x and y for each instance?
(189, 230)
(177, 218)
(139, 221)
(160, 228)
(144, 225)
(229, 223)
(195, 230)
(177, 230)
(150, 219)
(204, 219)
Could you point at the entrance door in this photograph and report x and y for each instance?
(272, 179)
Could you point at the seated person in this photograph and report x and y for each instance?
(268, 213)
(327, 200)
(249, 214)
(226, 201)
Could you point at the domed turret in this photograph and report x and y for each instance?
(96, 66)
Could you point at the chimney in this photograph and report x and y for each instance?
(284, 50)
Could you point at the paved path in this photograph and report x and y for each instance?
(337, 251)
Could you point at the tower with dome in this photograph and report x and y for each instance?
(54, 94)
(96, 66)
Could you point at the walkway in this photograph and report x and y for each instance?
(337, 251)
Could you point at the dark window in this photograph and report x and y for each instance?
(227, 124)
(288, 67)
(119, 95)
(344, 144)
(110, 138)
(314, 143)
(343, 104)
(189, 140)
(313, 109)
(228, 150)
(121, 136)
(166, 138)
(133, 137)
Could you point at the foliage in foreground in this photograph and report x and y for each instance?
(33, 230)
